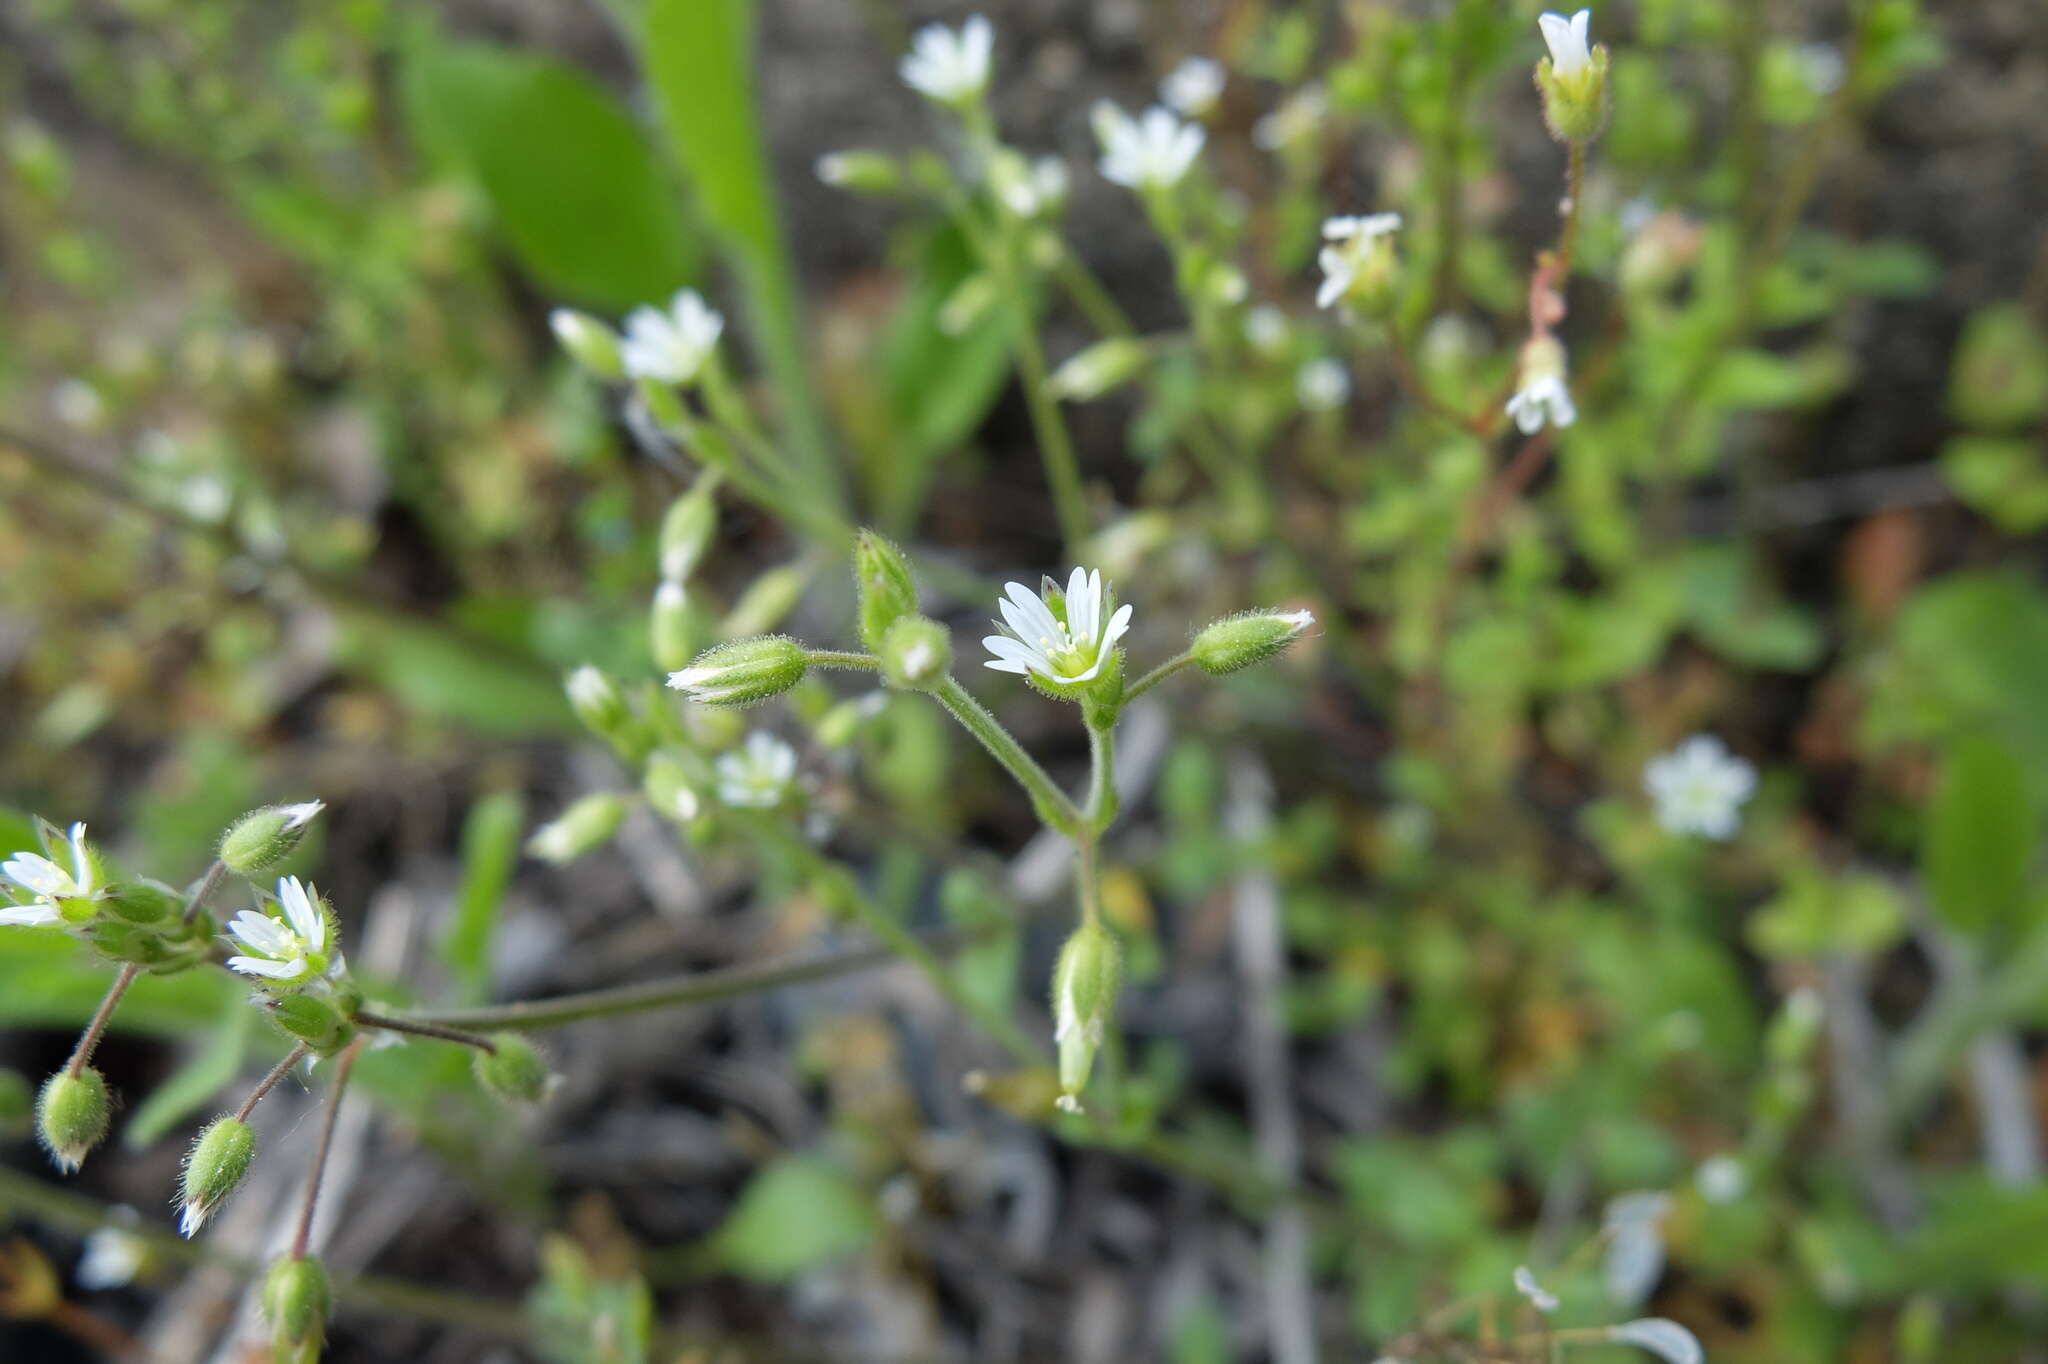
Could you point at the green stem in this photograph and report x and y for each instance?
(841, 658)
(342, 1070)
(1062, 465)
(269, 1082)
(1053, 805)
(89, 1040)
(1156, 676)
(1575, 192)
(1089, 295)
(206, 889)
(1100, 811)
(413, 1027)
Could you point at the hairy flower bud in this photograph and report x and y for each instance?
(1573, 79)
(672, 627)
(917, 653)
(588, 824)
(263, 838)
(1106, 365)
(887, 592)
(688, 529)
(296, 1299)
(590, 343)
(71, 1116)
(1084, 989)
(1240, 641)
(317, 1022)
(596, 700)
(515, 1072)
(860, 171)
(670, 789)
(743, 672)
(214, 1169)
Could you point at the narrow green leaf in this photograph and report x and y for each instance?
(490, 851)
(1979, 839)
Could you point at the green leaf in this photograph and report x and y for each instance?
(490, 851)
(1979, 836)
(194, 1083)
(2000, 380)
(2001, 478)
(799, 1212)
(571, 180)
(48, 981)
(444, 677)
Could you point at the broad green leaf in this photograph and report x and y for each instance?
(194, 1083)
(2001, 478)
(2000, 379)
(571, 180)
(799, 1212)
(1816, 913)
(1979, 837)
(49, 981)
(490, 851)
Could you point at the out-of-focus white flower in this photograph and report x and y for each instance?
(1634, 1225)
(78, 403)
(1546, 401)
(51, 886)
(1722, 1178)
(1029, 190)
(1699, 788)
(1661, 1337)
(1063, 637)
(291, 950)
(756, 775)
(1266, 328)
(1823, 67)
(1539, 1298)
(1152, 151)
(950, 65)
(1569, 41)
(1193, 87)
(1353, 241)
(1295, 122)
(111, 1258)
(1323, 385)
(670, 347)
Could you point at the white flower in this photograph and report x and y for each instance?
(1547, 399)
(111, 1258)
(1823, 67)
(1266, 328)
(1661, 1337)
(1150, 152)
(50, 884)
(1722, 1179)
(78, 403)
(304, 813)
(1293, 122)
(1567, 41)
(1064, 638)
(1352, 241)
(756, 775)
(1323, 385)
(1634, 1225)
(948, 66)
(1029, 190)
(1540, 1299)
(291, 950)
(1193, 87)
(1699, 788)
(670, 347)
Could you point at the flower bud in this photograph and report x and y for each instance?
(861, 171)
(296, 1299)
(590, 343)
(1239, 641)
(887, 591)
(17, 1102)
(596, 700)
(317, 1022)
(218, 1161)
(1090, 373)
(143, 902)
(515, 1072)
(670, 790)
(672, 627)
(71, 1116)
(1084, 986)
(688, 529)
(917, 653)
(1791, 1035)
(743, 672)
(1573, 79)
(837, 727)
(263, 838)
(588, 824)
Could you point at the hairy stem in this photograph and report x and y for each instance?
(841, 658)
(89, 1040)
(1156, 676)
(206, 889)
(417, 1029)
(1053, 804)
(269, 1082)
(304, 1235)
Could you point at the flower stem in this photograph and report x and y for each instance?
(1053, 805)
(417, 1029)
(1100, 811)
(840, 658)
(269, 1082)
(89, 1040)
(1156, 676)
(346, 1064)
(1568, 236)
(206, 888)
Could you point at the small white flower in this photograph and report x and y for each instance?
(1546, 400)
(1634, 1225)
(1064, 638)
(1722, 1179)
(291, 950)
(1661, 1337)
(1296, 121)
(1540, 1299)
(1351, 241)
(112, 1256)
(1568, 41)
(1323, 385)
(1029, 191)
(1699, 788)
(1823, 67)
(756, 775)
(1150, 152)
(670, 347)
(50, 884)
(1193, 87)
(78, 403)
(300, 815)
(1266, 328)
(590, 690)
(947, 65)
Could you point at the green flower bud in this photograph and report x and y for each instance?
(766, 603)
(743, 672)
(317, 1022)
(887, 592)
(590, 343)
(144, 902)
(838, 726)
(1790, 1038)
(215, 1168)
(672, 627)
(263, 838)
(1104, 366)
(17, 1102)
(917, 653)
(971, 300)
(1084, 987)
(1239, 641)
(585, 826)
(297, 1299)
(71, 1116)
(515, 1072)
(1573, 79)
(670, 790)
(688, 529)
(596, 700)
(860, 172)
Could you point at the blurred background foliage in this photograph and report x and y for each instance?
(301, 500)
